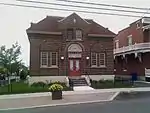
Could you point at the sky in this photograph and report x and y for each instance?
(15, 20)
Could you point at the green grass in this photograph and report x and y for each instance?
(21, 87)
(109, 84)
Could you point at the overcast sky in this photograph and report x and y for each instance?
(15, 20)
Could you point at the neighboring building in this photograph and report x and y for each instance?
(132, 48)
(70, 46)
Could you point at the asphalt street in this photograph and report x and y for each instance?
(140, 105)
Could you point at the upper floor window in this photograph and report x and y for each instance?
(116, 44)
(70, 34)
(130, 41)
(138, 25)
(78, 34)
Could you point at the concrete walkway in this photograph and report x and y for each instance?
(34, 102)
(13, 96)
(83, 88)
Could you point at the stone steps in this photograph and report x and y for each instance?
(78, 81)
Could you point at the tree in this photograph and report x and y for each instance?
(3, 70)
(9, 57)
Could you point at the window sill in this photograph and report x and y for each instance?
(74, 40)
(99, 67)
(50, 67)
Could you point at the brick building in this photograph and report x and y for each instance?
(70, 46)
(132, 49)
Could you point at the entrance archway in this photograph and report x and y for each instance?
(74, 59)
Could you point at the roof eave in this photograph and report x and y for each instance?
(99, 35)
(43, 32)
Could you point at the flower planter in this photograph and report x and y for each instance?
(56, 95)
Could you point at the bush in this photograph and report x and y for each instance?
(38, 84)
(56, 87)
(65, 88)
(23, 75)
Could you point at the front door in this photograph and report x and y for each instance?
(74, 67)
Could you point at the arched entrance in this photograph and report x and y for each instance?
(74, 59)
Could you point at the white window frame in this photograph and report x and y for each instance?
(78, 38)
(41, 57)
(116, 44)
(130, 40)
(138, 25)
(92, 59)
(102, 59)
(72, 34)
(52, 59)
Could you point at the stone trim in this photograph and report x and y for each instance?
(99, 35)
(44, 32)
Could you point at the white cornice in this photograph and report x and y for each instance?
(44, 32)
(99, 35)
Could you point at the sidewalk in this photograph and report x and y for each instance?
(15, 96)
(34, 102)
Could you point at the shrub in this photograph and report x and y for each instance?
(56, 87)
(38, 84)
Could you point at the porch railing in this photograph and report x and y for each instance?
(135, 47)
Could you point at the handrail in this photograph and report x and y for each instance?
(139, 46)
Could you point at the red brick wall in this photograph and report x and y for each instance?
(137, 34)
(59, 44)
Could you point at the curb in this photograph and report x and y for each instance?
(114, 96)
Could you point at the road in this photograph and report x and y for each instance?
(118, 106)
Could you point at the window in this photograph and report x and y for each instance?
(78, 34)
(98, 60)
(129, 40)
(44, 59)
(102, 59)
(138, 25)
(117, 44)
(48, 59)
(94, 59)
(70, 34)
(53, 57)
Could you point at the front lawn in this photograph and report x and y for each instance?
(21, 87)
(110, 84)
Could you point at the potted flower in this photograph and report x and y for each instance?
(56, 90)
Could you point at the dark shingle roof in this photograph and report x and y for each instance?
(50, 24)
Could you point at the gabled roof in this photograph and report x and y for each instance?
(73, 14)
(50, 24)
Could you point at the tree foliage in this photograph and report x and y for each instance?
(9, 60)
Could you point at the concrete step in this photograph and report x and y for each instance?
(82, 88)
(78, 81)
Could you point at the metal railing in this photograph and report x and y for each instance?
(147, 72)
(139, 46)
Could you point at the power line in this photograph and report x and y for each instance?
(77, 6)
(91, 3)
(39, 7)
